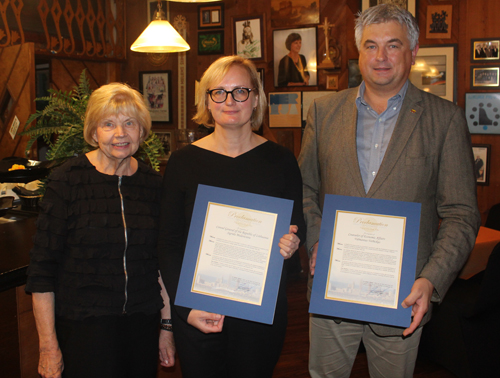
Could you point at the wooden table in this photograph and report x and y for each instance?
(486, 240)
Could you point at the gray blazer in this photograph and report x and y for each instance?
(429, 160)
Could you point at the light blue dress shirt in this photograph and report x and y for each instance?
(373, 133)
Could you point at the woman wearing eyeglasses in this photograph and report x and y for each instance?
(232, 101)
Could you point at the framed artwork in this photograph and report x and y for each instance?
(332, 81)
(211, 16)
(166, 138)
(484, 77)
(482, 111)
(248, 37)
(406, 4)
(288, 72)
(261, 72)
(285, 109)
(210, 43)
(295, 12)
(307, 99)
(434, 70)
(439, 21)
(485, 50)
(156, 88)
(355, 77)
(153, 7)
(481, 154)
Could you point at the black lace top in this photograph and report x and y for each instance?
(81, 251)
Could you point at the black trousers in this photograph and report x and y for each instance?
(109, 346)
(243, 349)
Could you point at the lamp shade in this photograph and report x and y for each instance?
(160, 37)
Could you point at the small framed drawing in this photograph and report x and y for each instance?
(285, 109)
(248, 37)
(434, 70)
(166, 138)
(153, 8)
(407, 4)
(482, 77)
(295, 57)
(481, 154)
(332, 82)
(156, 89)
(210, 43)
(482, 111)
(355, 77)
(485, 50)
(211, 16)
(439, 21)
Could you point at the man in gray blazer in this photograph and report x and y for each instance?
(387, 139)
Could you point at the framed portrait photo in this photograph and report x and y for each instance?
(248, 37)
(409, 5)
(482, 111)
(484, 77)
(211, 16)
(481, 154)
(156, 88)
(434, 70)
(210, 43)
(295, 57)
(485, 50)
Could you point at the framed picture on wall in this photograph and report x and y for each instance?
(332, 82)
(167, 138)
(211, 16)
(292, 13)
(290, 42)
(408, 4)
(285, 109)
(481, 154)
(484, 77)
(156, 89)
(210, 43)
(485, 50)
(248, 37)
(434, 70)
(439, 21)
(482, 111)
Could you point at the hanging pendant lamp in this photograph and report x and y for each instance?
(160, 36)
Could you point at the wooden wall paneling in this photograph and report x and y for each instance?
(65, 73)
(17, 90)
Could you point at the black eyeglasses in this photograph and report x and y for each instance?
(239, 94)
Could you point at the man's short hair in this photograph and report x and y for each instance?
(383, 13)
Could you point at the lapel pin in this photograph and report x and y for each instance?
(413, 111)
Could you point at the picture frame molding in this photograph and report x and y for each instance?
(212, 22)
(474, 84)
(158, 116)
(262, 31)
(473, 43)
(486, 152)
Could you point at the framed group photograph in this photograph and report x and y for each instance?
(332, 82)
(156, 88)
(211, 16)
(434, 70)
(166, 138)
(481, 154)
(248, 37)
(482, 111)
(485, 50)
(409, 5)
(210, 43)
(295, 59)
(483, 77)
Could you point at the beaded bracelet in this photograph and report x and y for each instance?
(166, 325)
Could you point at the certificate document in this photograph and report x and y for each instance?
(366, 260)
(232, 265)
(234, 253)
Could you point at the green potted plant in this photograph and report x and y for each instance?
(64, 115)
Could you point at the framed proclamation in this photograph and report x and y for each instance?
(366, 261)
(232, 265)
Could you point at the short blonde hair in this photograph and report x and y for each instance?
(114, 99)
(214, 75)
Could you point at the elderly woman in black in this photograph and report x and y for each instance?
(293, 66)
(94, 270)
